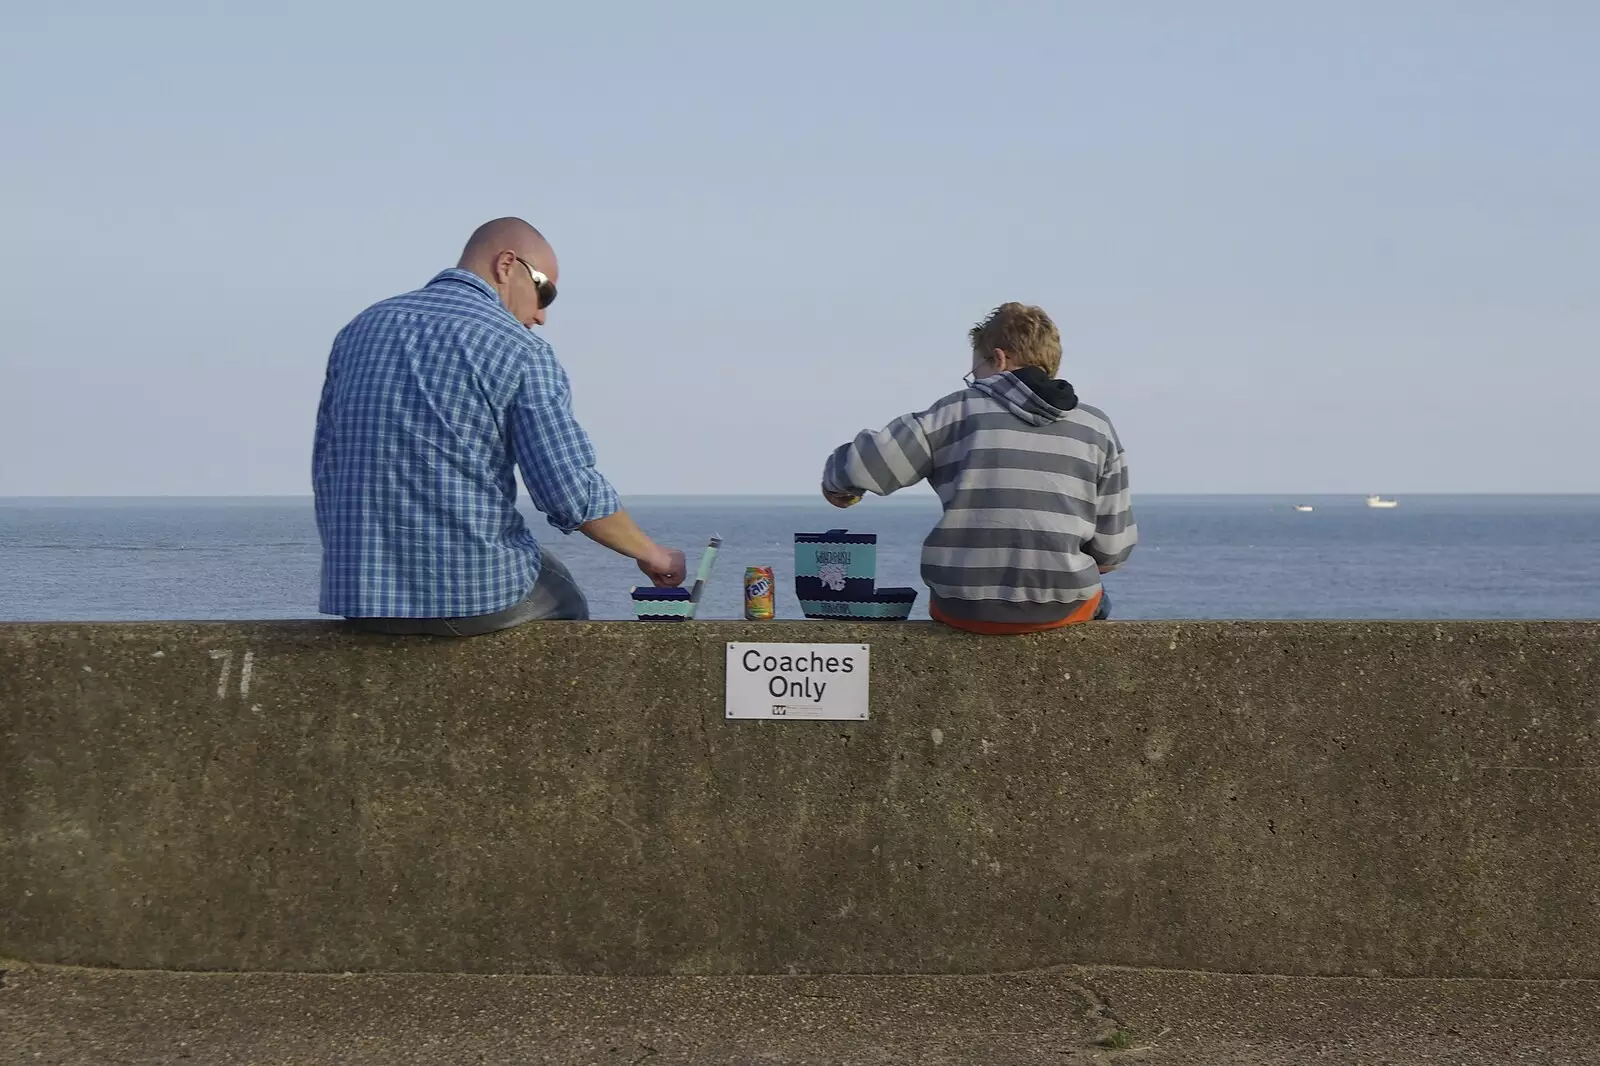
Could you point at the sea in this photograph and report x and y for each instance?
(1199, 557)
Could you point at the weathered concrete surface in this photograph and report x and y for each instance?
(1318, 798)
(1058, 1017)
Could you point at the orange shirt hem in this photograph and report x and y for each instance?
(1084, 612)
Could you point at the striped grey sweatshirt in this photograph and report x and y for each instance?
(1035, 494)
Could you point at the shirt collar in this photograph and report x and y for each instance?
(468, 278)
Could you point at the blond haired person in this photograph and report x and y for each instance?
(1034, 485)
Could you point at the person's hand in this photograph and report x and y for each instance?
(840, 499)
(666, 568)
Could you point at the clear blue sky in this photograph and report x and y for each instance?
(1340, 247)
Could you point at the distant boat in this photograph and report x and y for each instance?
(1303, 508)
(1381, 503)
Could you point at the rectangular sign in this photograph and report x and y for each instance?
(812, 682)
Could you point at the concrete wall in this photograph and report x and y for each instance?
(1318, 798)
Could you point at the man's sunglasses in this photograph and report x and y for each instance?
(546, 287)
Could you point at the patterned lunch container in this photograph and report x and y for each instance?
(836, 576)
(835, 565)
(886, 605)
(661, 605)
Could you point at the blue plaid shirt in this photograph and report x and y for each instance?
(432, 401)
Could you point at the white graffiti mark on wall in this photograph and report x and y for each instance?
(247, 669)
(227, 671)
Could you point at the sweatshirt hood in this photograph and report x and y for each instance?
(1030, 394)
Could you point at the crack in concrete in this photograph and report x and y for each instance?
(1099, 1012)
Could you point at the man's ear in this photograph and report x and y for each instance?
(1002, 360)
(504, 263)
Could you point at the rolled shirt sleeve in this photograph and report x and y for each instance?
(553, 451)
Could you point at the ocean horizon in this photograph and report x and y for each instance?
(1201, 556)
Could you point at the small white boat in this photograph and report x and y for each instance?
(1381, 503)
(1304, 508)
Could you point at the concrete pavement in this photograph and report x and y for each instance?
(1067, 1015)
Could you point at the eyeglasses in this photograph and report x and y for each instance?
(546, 287)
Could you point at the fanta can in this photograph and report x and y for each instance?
(758, 589)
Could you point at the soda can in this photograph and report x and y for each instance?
(759, 586)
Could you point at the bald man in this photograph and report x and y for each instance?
(433, 401)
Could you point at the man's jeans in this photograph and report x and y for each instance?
(555, 595)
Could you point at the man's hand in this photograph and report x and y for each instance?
(666, 567)
(619, 532)
(839, 499)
